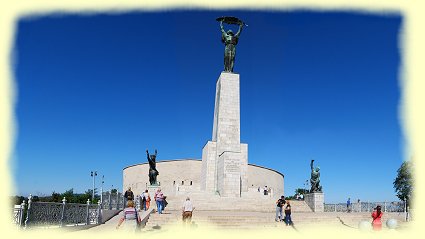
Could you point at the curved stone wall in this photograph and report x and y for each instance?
(185, 175)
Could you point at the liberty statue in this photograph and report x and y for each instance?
(230, 41)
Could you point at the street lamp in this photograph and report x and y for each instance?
(93, 175)
(306, 185)
(101, 189)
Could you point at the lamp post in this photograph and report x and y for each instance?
(305, 186)
(101, 189)
(93, 175)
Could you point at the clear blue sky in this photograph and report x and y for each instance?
(95, 91)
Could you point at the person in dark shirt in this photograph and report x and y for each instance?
(128, 196)
(288, 219)
(279, 204)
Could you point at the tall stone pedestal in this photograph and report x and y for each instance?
(315, 201)
(224, 158)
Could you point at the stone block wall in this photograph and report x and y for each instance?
(315, 201)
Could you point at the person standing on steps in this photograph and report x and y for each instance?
(148, 199)
(288, 219)
(159, 198)
(187, 210)
(128, 196)
(279, 204)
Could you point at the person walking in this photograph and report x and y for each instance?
(130, 218)
(187, 210)
(359, 205)
(279, 204)
(148, 199)
(159, 198)
(143, 199)
(128, 196)
(377, 215)
(348, 205)
(288, 219)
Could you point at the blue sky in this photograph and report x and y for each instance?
(95, 91)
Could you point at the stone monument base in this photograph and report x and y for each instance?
(152, 190)
(315, 201)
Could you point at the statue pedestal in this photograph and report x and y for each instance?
(315, 201)
(152, 190)
(225, 158)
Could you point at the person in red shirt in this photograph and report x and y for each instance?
(377, 215)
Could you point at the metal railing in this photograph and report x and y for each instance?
(48, 214)
(399, 206)
(365, 207)
(112, 201)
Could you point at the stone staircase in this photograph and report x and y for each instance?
(215, 220)
(211, 202)
(242, 220)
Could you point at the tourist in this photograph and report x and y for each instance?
(187, 210)
(130, 218)
(128, 196)
(265, 190)
(348, 205)
(159, 198)
(145, 200)
(359, 205)
(148, 199)
(288, 219)
(164, 203)
(279, 204)
(377, 215)
(302, 197)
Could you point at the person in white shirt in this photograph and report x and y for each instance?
(187, 210)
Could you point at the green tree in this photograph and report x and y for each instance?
(300, 191)
(68, 195)
(403, 183)
(17, 200)
(56, 197)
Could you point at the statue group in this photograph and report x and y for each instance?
(153, 173)
(315, 178)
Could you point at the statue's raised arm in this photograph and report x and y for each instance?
(311, 164)
(222, 28)
(240, 30)
(147, 154)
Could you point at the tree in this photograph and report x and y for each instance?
(68, 195)
(403, 183)
(300, 191)
(56, 197)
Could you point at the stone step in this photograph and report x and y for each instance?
(257, 219)
(234, 204)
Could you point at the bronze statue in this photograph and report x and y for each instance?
(153, 173)
(315, 178)
(230, 41)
